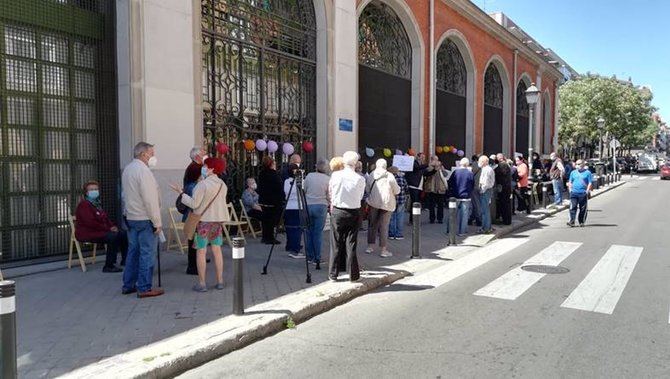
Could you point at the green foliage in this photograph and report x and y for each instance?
(626, 109)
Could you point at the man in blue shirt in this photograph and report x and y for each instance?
(461, 185)
(579, 185)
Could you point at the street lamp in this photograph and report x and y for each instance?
(601, 125)
(532, 96)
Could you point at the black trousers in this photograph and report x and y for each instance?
(116, 242)
(504, 206)
(269, 222)
(345, 232)
(523, 199)
(192, 267)
(435, 200)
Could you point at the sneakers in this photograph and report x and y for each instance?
(571, 224)
(369, 250)
(391, 237)
(581, 225)
(297, 255)
(399, 237)
(385, 254)
(150, 293)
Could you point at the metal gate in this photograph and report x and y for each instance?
(259, 79)
(57, 119)
(522, 119)
(493, 111)
(450, 102)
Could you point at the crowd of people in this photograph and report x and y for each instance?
(487, 190)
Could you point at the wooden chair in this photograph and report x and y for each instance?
(76, 244)
(175, 233)
(234, 221)
(245, 217)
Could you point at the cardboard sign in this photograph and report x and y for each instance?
(404, 162)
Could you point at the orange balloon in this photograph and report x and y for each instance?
(411, 152)
(438, 150)
(249, 145)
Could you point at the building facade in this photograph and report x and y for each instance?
(315, 76)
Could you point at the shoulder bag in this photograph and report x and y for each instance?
(193, 218)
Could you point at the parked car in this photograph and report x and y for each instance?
(646, 163)
(665, 171)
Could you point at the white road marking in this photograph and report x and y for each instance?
(656, 178)
(517, 281)
(643, 178)
(601, 289)
(453, 270)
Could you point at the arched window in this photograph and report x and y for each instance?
(521, 102)
(493, 88)
(383, 43)
(452, 75)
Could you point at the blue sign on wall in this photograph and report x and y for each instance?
(346, 125)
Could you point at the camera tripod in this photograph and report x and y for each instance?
(303, 224)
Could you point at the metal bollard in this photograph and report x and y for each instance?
(7, 330)
(544, 196)
(453, 210)
(238, 275)
(416, 230)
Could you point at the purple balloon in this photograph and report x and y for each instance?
(261, 145)
(272, 146)
(460, 153)
(287, 148)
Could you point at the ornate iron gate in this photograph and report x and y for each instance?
(57, 119)
(493, 111)
(452, 78)
(522, 120)
(259, 79)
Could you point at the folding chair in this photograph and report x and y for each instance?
(175, 231)
(234, 221)
(76, 244)
(245, 217)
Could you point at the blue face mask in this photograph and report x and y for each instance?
(203, 172)
(93, 194)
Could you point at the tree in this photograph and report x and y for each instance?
(626, 109)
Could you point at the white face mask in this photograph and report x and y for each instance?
(153, 161)
(253, 186)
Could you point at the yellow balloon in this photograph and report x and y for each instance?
(387, 153)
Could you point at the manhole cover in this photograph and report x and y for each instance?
(542, 269)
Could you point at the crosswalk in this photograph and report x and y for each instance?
(598, 292)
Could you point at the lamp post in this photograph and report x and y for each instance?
(601, 125)
(532, 96)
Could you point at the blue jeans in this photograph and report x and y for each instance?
(578, 200)
(142, 245)
(317, 220)
(558, 191)
(485, 209)
(292, 225)
(397, 222)
(462, 217)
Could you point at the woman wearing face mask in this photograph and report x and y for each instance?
(250, 200)
(209, 201)
(93, 225)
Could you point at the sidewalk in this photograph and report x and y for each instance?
(69, 319)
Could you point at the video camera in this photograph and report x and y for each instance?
(298, 177)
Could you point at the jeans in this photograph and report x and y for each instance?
(578, 200)
(317, 220)
(462, 217)
(142, 244)
(115, 241)
(558, 191)
(293, 230)
(435, 200)
(485, 210)
(397, 222)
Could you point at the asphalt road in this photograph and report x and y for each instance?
(608, 316)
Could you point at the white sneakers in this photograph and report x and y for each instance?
(385, 254)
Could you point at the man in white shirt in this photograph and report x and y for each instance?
(143, 216)
(487, 181)
(346, 189)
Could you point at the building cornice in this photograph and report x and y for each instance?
(474, 14)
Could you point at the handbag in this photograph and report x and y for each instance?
(181, 207)
(193, 218)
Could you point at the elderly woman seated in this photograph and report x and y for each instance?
(250, 200)
(93, 225)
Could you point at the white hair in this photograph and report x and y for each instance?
(483, 161)
(381, 164)
(465, 162)
(552, 156)
(195, 151)
(350, 158)
(322, 166)
(140, 148)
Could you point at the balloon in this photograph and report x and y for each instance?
(438, 150)
(287, 148)
(454, 150)
(446, 149)
(261, 145)
(308, 146)
(411, 152)
(398, 152)
(249, 145)
(369, 152)
(460, 153)
(272, 146)
(222, 148)
(387, 152)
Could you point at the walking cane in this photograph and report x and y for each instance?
(161, 238)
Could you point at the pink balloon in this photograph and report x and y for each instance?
(460, 153)
(261, 145)
(287, 148)
(272, 146)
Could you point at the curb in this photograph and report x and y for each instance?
(177, 354)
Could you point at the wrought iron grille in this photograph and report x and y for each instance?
(259, 79)
(383, 43)
(493, 88)
(452, 75)
(57, 119)
(521, 102)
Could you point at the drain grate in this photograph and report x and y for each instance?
(546, 269)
